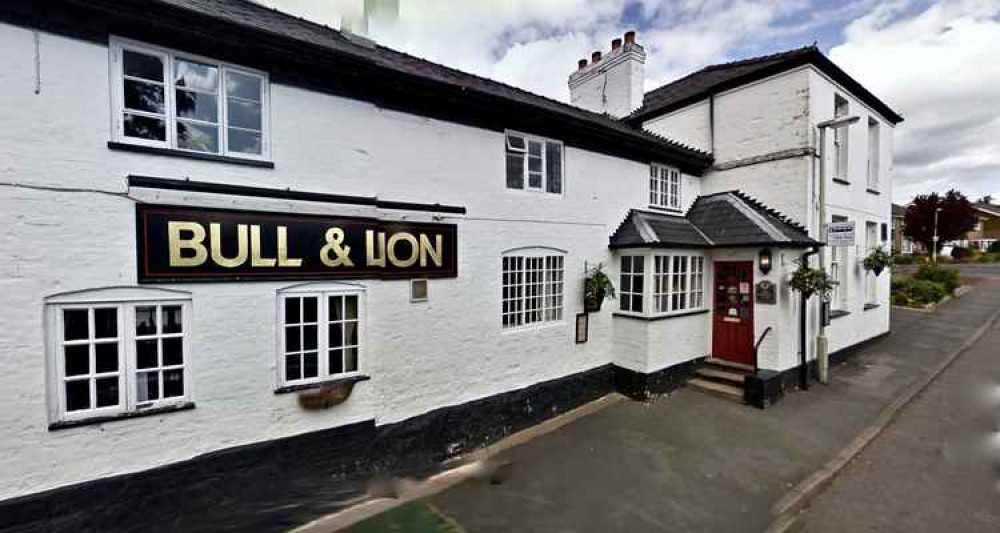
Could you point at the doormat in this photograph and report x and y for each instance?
(413, 517)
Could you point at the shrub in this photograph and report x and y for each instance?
(904, 259)
(916, 292)
(994, 247)
(990, 257)
(925, 291)
(959, 253)
(948, 277)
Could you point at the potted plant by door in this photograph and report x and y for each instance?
(596, 286)
(877, 261)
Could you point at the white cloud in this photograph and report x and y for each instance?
(938, 67)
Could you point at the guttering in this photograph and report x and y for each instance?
(285, 194)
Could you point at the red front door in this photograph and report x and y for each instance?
(732, 319)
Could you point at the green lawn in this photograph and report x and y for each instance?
(413, 517)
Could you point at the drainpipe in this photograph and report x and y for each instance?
(803, 362)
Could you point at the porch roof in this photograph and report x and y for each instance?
(722, 220)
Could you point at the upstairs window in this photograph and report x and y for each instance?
(167, 99)
(873, 154)
(664, 187)
(534, 164)
(840, 109)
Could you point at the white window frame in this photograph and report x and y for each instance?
(125, 300)
(872, 243)
(874, 146)
(665, 187)
(322, 292)
(665, 280)
(526, 185)
(841, 162)
(551, 284)
(170, 57)
(838, 272)
(632, 273)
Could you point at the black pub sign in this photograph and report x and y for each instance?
(183, 244)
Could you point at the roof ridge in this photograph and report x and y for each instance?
(763, 58)
(339, 35)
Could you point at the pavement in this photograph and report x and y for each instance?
(691, 462)
(935, 468)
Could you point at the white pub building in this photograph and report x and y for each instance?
(239, 247)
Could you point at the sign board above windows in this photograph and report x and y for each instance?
(182, 244)
(840, 233)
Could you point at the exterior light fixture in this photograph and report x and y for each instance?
(764, 260)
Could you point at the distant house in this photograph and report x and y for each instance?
(901, 244)
(987, 228)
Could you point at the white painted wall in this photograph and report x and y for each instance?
(67, 223)
(690, 126)
(855, 202)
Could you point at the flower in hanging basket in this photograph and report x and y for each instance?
(877, 261)
(811, 281)
(596, 286)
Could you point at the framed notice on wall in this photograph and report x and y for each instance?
(582, 324)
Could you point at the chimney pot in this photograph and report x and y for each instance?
(595, 57)
(630, 37)
(581, 64)
(616, 44)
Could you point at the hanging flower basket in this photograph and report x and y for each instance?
(877, 261)
(811, 281)
(596, 286)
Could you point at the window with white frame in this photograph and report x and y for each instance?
(532, 288)
(534, 164)
(664, 187)
(169, 99)
(871, 243)
(113, 357)
(840, 109)
(678, 283)
(320, 335)
(873, 154)
(630, 283)
(838, 272)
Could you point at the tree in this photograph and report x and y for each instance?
(988, 199)
(954, 221)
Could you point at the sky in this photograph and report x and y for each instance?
(936, 62)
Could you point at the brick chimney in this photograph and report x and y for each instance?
(613, 82)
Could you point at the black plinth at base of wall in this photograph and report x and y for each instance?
(640, 386)
(279, 484)
(763, 388)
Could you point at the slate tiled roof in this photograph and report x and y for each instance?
(898, 210)
(272, 22)
(989, 209)
(646, 228)
(715, 78)
(721, 220)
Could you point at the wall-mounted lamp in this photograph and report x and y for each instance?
(764, 260)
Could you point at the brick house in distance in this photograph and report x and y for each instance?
(987, 228)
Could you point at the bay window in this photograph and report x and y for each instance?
(168, 99)
(678, 283)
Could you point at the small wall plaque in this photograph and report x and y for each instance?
(582, 325)
(766, 293)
